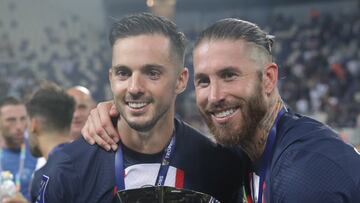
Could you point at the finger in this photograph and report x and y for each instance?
(85, 133)
(99, 141)
(101, 124)
(113, 111)
(106, 123)
(102, 138)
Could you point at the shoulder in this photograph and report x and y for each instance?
(190, 135)
(80, 152)
(293, 127)
(306, 159)
(312, 177)
(54, 181)
(301, 133)
(77, 166)
(83, 159)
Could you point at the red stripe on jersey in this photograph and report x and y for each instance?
(115, 190)
(179, 181)
(249, 199)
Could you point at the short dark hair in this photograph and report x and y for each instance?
(9, 101)
(235, 29)
(52, 104)
(147, 23)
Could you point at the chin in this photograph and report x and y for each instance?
(227, 137)
(141, 126)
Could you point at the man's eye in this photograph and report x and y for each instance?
(202, 82)
(228, 75)
(122, 74)
(154, 74)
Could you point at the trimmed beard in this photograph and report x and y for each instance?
(233, 134)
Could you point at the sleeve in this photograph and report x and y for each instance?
(301, 176)
(60, 185)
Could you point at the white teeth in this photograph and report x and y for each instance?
(224, 113)
(136, 105)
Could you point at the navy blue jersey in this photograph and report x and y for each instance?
(311, 163)
(80, 172)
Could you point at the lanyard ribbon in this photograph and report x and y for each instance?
(267, 155)
(164, 167)
(21, 165)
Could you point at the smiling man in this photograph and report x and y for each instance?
(156, 148)
(295, 158)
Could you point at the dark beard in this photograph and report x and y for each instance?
(253, 112)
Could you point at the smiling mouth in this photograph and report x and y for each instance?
(137, 105)
(224, 113)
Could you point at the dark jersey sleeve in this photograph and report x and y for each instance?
(303, 176)
(58, 183)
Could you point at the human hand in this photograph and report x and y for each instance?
(18, 198)
(99, 129)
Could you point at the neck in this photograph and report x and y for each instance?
(149, 142)
(49, 141)
(255, 147)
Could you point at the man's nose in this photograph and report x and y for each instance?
(216, 93)
(136, 87)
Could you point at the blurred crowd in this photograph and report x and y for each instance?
(319, 59)
(66, 52)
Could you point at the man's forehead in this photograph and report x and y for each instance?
(8, 110)
(220, 52)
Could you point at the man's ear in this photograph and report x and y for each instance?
(35, 125)
(270, 77)
(182, 80)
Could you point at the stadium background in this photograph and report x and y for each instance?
(317, 47)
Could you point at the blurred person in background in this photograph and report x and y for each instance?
(146, 76)
(14, 153)
(50, 111)
(354, 135)
(84, 104)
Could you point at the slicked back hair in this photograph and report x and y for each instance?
(147, 23)
(236, 29)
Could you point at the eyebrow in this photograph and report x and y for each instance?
(118, 67)
(219, 72)
(228, 69)
(199, 75)
(146, 66)
(153, 65)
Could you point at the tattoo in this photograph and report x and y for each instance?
(255, 147)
